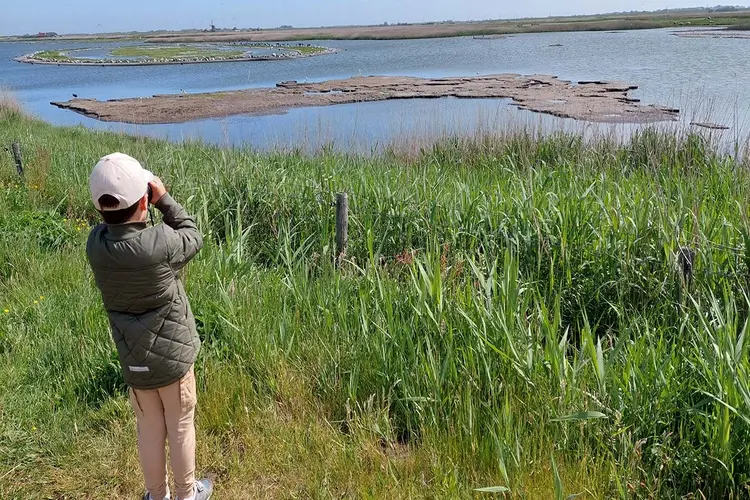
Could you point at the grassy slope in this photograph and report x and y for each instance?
(544, 287)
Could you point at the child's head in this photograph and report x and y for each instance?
(119, 189)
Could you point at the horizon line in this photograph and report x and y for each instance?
(736, 8)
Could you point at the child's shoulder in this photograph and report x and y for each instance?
(98, 226)
(94, 236)
(97, 230)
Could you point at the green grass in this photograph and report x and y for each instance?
(175, 52)
(53, 55)
(62, 56)
(509, 315)
(9, 105)
(304, 50)
(148, 53)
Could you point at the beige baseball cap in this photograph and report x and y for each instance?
(121, 177)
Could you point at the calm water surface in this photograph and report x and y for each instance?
(709, 79)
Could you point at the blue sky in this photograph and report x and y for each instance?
(76, 16)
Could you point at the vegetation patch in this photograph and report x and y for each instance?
(605, 22)
(9, 104)
(307, 50)
(177, 53)
(53, 55)
(514, 312)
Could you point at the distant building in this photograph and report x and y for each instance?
(46, 34)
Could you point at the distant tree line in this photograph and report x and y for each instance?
(41, 34)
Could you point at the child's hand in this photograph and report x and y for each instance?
(157, 190)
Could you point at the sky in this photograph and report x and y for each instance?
(94, 16)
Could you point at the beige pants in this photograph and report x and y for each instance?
(167, 414)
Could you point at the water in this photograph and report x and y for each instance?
(706, 77)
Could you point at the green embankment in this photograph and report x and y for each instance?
(510, 315)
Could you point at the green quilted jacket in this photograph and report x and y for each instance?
(136, 267)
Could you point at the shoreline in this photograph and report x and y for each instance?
(593, 101)
(28, 59)
(727, 33)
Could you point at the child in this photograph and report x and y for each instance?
(136, 268)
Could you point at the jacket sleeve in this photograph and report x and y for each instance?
(185, 240)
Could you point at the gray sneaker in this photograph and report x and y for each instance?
(203, 489)
(147, 496)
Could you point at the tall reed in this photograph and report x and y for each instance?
(515, 305)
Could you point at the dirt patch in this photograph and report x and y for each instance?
(596, 101)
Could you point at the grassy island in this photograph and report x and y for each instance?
(177, 54)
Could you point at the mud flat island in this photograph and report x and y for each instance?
(594, 101)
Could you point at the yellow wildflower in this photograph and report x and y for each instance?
(6, 311)
(36, 302)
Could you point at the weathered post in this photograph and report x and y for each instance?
(16, 149)
(342, 226)
(685, 267)
(685, 263)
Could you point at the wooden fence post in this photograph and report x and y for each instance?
(685, 267)
(685, 262)
(16, 149)
(342, 226)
